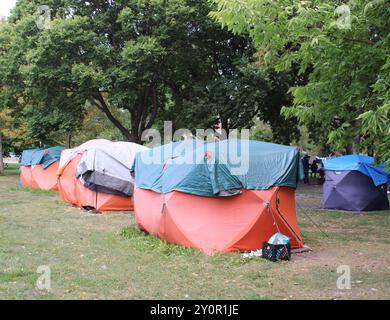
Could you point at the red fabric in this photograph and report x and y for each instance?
(225, 224)
(74, 192)
(25, 177)
(36, 177)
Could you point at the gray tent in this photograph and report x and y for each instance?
(106, 168)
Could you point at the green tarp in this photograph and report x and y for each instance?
(217, 169)
(43, 156)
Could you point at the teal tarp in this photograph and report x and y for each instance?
(217, 169)
(43, 156)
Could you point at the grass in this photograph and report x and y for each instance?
(11, 169)
(142, 242)
(14, 276)
(107, 257)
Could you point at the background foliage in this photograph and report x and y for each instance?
(343, 46)
(112, 69)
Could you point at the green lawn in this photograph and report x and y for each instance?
(12, 169)
(105, 256)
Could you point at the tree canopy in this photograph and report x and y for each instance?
(138, 63)
(344, 48)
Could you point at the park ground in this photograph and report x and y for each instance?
(104, 256)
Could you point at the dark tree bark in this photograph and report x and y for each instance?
(142, 117)
(102, 105)
(69, 139)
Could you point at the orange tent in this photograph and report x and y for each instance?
(74, 192)
(198, 195)
(96, 175)
(38, 169)
(222, 224)
(36, 177)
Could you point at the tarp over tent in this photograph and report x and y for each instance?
(361, 163)
(354, 183)
(224, 196)
(96, 175)
(43, 156)
(39, 168)
(210, 169)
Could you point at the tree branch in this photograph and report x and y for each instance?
(154, 110)
(363, 41)
(102, 105)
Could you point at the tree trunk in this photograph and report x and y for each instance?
(69, 139)
(225, 128)
(356, 143)
(1, 155)
(98, 101)
(136, 139)
(142, 117)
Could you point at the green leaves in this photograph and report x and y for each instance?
(143, 59)
(344, 47)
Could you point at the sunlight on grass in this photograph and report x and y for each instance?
(144, 242)
(15, 275)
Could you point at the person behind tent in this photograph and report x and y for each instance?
(320, 170)
(306, 166)
(314, 169)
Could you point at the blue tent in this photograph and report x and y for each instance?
(361, 163)
(43, 156)
(354, 183)
(218, 168)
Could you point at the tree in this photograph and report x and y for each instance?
(1, 153)
(137, 62)
(238, 98)
(95, 125)
(4, 113)
(128, 56)
(13, 134)
(40, 114)
(344, 47)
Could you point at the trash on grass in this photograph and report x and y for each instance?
(252, 254)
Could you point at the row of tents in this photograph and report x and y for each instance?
(222, 196)
(95, 175)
